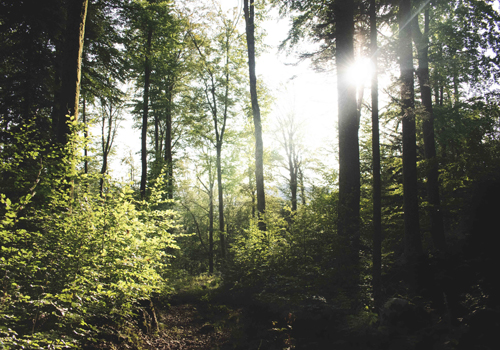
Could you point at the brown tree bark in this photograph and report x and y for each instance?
(422, 43)
(377, 183)
(249, 10)
(67, 103)
(412, 240)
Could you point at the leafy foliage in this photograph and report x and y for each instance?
(74, 266)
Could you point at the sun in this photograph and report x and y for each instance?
(360, 72)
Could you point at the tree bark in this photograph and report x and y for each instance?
(86, 138)
(349, 167)
(71, 68)
(221, 201)
(422, 44)
(211, 225)
(259, 146)
(168, 145)
(377, 183)
(412, 241)
(144, 153)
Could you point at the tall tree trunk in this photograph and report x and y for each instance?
(259, 146)
(293, 184)
(71, 68)
(422, 44)
(144, 154)
(349, 168)
(302, 188)
(86, 138)
(168, 145)
(412, 241)
(211, 226)
(221, 201)
(377, 183)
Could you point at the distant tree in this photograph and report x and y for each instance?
(288, 136)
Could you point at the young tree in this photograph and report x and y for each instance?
(220, 74)
(288, 136)
(110, 115)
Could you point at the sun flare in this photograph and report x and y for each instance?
(360, 72)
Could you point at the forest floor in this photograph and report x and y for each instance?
(199, 315)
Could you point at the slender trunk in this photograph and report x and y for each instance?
(437, 225)
(168, 146)
(293, 179)
(252, 190)
(221, 202)
(157, 138)
(302, 188)
(377, 183)
(349, 168)
(211, 227)
(144, 154)
(412, 241)
(104, 169)
(86, 138)
(71, 68)
(259, 146)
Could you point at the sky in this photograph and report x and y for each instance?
(297, 88)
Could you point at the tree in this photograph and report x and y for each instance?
(422, 44)
(412, 241)
(288, 136)
(377, 183)
(220, 75)
(150, 23)
(110, 110)
(249, 10)
(69, 94)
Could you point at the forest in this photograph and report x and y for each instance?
(241, 220)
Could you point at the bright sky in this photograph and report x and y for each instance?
(297, 88)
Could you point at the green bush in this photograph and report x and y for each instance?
(73, 265)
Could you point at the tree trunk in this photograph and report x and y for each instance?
(144, 154)
(412, 241)
(221, 201)
(293, 186)
(422, 42)
(302, 188)
(349, 168)
(211, 227)
(71, 68)
(349, 178)
(377, 183)
(168, 146)
(259, 147)
(86, 138)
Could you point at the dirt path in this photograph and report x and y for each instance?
(185, 327)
